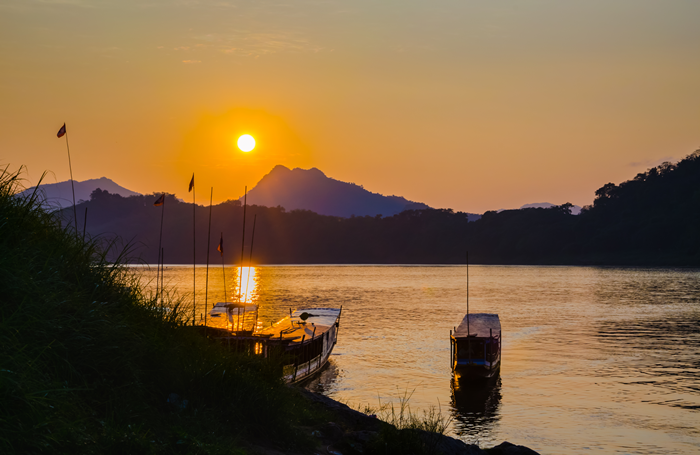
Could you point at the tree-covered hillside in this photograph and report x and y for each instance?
(653, 219)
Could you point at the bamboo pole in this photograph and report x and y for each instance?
(206, 292)
(70, 167)
(194, 253)
(240, 285)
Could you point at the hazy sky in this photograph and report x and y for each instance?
(472, 105)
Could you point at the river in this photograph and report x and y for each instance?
(595, 359)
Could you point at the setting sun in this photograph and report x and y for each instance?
(246, 143)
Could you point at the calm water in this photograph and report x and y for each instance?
(595, 360)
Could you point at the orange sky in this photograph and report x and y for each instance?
(471, 105)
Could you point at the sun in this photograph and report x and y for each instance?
(246, 143)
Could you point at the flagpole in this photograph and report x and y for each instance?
(206, 292)
(240, 285)
(160, 244)
(85, 223)
(70, 167)
(194, 258)
(162, 273)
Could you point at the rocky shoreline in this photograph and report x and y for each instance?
(352, 432)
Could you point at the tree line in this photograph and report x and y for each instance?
(653, 219)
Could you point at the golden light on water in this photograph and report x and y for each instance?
(246, 143)
(249, 284)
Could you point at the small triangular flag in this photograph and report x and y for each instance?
(62, 131)
(220, 248)
(191, 184)
(160, 201)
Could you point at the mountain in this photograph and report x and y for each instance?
(311, 189)
(575, 210)
(652, 219)
(60, 195)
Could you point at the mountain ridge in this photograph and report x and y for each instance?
(60, 195)
(311, 189)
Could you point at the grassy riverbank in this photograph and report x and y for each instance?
(90, 364)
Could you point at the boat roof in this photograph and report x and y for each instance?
(222, 307)
(480, 325)
(294, 329)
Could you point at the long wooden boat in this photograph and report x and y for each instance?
(305, 339)
(476, 347)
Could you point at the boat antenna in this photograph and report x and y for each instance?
(467, 293)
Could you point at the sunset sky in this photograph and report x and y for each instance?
(471, 105)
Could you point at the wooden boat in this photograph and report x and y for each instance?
(307, 336)
(476, 347)
(305, 339)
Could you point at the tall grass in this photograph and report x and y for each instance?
(90, 364)
(409, 432)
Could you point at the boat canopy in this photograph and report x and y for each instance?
(232, 307)
(481, 325)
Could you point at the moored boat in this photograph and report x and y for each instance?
(305, 338)
(476, 347)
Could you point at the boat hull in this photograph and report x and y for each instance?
(477, 372)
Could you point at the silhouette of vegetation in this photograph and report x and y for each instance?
(652, 219)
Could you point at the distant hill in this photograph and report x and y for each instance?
(575, 210)
(652, 219)
(60, 195)
(312, 190)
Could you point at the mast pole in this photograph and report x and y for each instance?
(467, 293)
(240, 284)
(70, 167)
(85, 223)
(160, 245)
(162, 274)
(194, 256)
(206, 291)
(250, 261)
(223, 271)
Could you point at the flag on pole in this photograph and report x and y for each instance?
(62, 131)
(191, 184)
(159, 201)
(220, 248)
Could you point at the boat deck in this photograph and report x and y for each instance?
(293, 329)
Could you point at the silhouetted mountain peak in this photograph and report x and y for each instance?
(60, 194)
(311, 189)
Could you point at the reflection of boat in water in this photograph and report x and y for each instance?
(305, 338)
(475, 407)
(476, 347)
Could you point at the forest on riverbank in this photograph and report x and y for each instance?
(652, 219)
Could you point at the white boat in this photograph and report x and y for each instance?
(476, 347)
(305, 338)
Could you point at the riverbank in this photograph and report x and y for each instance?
(353, 432)
(90, 363)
